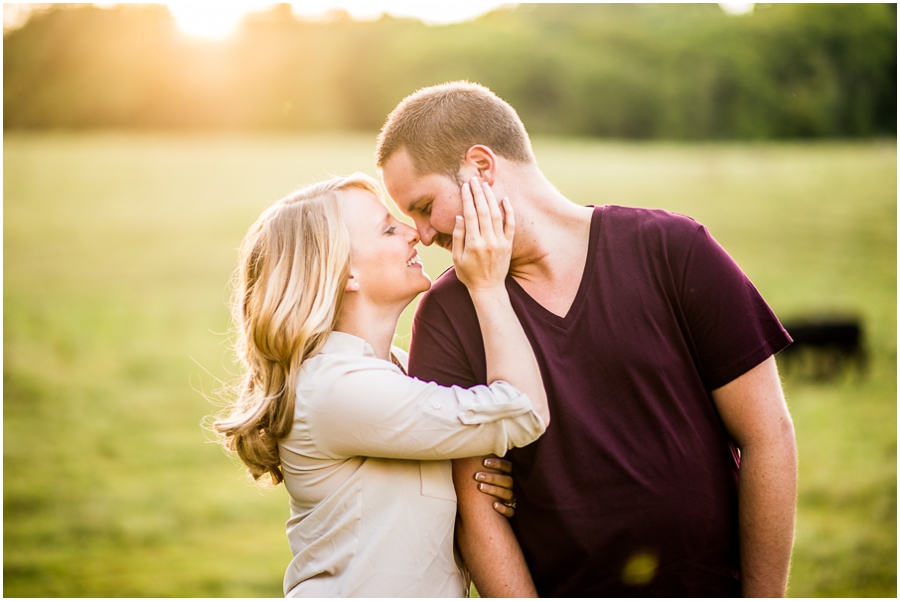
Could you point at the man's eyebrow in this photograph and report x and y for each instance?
(414, 205)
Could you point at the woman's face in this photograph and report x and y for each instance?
(383, 260)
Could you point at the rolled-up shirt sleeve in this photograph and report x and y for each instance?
(367, 409)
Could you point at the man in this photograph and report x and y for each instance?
(670, 465)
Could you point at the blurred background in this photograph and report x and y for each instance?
(140, 142)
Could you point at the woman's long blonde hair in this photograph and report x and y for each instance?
(293, 266)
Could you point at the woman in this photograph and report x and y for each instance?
(325, 404)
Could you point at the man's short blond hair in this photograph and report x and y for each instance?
(438, 124)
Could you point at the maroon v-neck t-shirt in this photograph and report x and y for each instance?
(632, 491)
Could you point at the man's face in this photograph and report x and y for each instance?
(432, 201)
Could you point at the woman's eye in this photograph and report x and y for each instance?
(391, 230)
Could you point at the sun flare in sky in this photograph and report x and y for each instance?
(737, 8)
(210, 20)
(217, 20)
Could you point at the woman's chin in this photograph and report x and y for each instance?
(424, 286)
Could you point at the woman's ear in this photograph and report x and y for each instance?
(352, 284)
(482, 161)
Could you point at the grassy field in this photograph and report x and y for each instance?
(117, 252)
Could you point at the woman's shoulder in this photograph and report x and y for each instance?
(323, 374)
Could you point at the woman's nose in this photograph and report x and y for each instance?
(412, 234)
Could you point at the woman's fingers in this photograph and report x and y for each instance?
(509, 224)
(498, 485)
(485, 227)
(504, 510)
(494, 208)
(482, 212)
(504, 494)
(501, 480)
(481, 255)
(470, 214)
(492, 462)
(459, 236)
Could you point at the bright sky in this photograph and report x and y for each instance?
(216, 20)
(737, 8)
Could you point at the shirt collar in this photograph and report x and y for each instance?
(341, 342)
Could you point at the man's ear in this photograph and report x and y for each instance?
(481, 161)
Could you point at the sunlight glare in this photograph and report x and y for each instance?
(211, 20)
(737, 8)
(217, 20)
(429, 12)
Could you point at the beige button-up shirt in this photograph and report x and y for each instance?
(368, 472)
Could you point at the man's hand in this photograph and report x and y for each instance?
(496, 481)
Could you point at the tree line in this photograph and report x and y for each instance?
(610, 70)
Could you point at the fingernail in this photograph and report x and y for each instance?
(488, 463)
(482, 487)
(479, 476)
(496, 505)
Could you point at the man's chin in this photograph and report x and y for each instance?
(445, 241)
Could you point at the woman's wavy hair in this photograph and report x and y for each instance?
(288, 290)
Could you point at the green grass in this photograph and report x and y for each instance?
(117, 252)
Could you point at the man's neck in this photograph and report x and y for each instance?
(550, 229)
(551, 243)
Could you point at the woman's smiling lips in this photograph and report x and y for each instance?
(414, 259)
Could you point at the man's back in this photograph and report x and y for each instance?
(632, 490)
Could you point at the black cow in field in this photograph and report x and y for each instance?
(823, 348)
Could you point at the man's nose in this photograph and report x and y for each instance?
(426, 232)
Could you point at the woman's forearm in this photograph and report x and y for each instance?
(507, 351)
(482, 247)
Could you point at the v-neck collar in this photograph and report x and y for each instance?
(549, 316)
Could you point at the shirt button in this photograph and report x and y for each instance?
(470, 414)
(436, 405)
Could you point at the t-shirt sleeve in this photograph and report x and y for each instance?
(731, 325)
(436, 351)
(374, 411)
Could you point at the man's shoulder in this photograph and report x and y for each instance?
(446, 289)
(642, 226)
(444, 326)
(447, 295)
(648, 217)
(447, 283)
